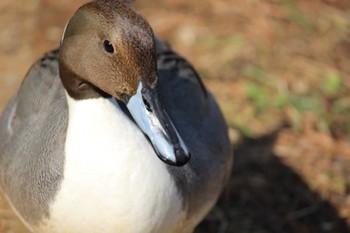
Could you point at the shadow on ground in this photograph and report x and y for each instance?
(266, 196)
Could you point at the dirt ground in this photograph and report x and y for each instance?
(280, 70)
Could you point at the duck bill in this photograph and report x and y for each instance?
(157, 126)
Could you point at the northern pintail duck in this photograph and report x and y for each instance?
(80, 142)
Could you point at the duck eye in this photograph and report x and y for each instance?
(108, 46)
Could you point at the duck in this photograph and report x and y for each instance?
(113, 132)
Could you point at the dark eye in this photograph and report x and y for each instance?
(108, 46)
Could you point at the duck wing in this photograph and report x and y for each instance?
(199, 120)
(36, 119)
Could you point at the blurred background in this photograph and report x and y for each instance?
(280, 70)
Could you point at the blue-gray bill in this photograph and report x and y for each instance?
(155, 123)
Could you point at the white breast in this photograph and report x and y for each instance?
(113, 181)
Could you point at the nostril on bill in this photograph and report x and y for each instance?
(148, 106)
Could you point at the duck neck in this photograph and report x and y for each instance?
(108, 155)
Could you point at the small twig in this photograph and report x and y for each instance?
(302, 212)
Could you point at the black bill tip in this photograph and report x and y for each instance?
(181, 157)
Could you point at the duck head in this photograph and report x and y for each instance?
(108, 50)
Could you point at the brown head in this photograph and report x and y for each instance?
(107, 49)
